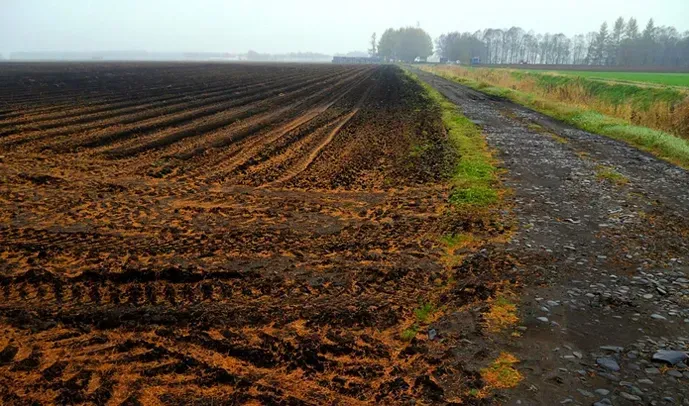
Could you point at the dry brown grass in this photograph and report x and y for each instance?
(502, 374)
(501, 314)
(660, 115)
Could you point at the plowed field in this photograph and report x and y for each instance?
(231, 234)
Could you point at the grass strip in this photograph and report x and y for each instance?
(659, 143)
(474, 175)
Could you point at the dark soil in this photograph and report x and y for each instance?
(167, 241)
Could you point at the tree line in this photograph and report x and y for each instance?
(404, 44)
(623, 44)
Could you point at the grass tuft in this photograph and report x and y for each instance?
(422, 315)
(606, 173)
(501, 374)
(455, 240)
(501, 315)
(476, 196)
(424, 312)
(410, 333)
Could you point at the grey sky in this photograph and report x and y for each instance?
(299, 25)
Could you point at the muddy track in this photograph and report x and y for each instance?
(266, 249)
(604, 228)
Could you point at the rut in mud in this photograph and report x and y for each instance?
(191, 234)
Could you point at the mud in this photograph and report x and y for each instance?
(609, 254)
(233, 234)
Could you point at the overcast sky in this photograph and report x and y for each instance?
(293, 25)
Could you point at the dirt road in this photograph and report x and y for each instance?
(602, 242)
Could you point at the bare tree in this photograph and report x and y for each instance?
(579, 49)
(373, 51)
(624, 45)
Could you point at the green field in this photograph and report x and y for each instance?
(669, 79)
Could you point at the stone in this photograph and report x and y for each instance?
(608, 363)
(645, 381)
(602, 392)
(609, 376)
(585, 393)
(613, 348)
(603, 402)
(675, 373)
(432, 334)
(670, 357)
(543, 319)
(658, 317)
(652, 371)
(629, 396)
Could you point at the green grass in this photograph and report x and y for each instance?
(659, 143)
(474, 176)
(452, 240)
(668, 79)
(410, 333)
(474, 195)
(605, 173)
(424, 312)
(616, 94)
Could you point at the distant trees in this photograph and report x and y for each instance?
(405, 44)
(462, 47)
(622, 44)
(600, 47)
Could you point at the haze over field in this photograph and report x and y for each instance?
(301, 25)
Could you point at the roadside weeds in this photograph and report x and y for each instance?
(659, 143)
(475, 189)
